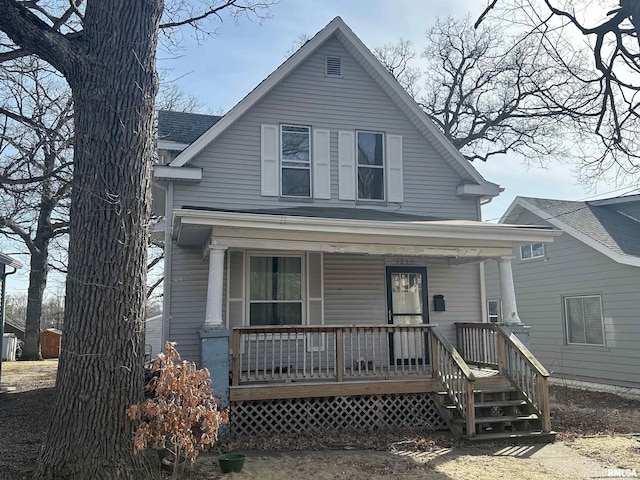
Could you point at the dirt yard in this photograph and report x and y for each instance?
(595, 436)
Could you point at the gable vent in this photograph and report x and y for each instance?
(333, 66)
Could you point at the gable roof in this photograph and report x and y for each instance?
(595, 223)
(181, 127)
(379, 74)
(15, 322)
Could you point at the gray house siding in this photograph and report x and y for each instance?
(460, 286)
(231, 165)
(354, 289)
(188, 300)
(572, 268)
(354, 294)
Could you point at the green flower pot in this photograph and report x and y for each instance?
(231, 462)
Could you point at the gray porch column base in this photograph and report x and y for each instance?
(521, 331)
(215, 358)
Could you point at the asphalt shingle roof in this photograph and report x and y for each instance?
(181, 127)
(602, 223)
(330, 212)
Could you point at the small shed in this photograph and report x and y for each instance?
(9, 343)
(50, 342)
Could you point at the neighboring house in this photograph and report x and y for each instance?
(14, 325)
(8, 342)
(315, 236)
(581, 294)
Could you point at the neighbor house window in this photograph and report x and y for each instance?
(295, 161)
(275, 287)
(533, 250)
(583, 317)
(494, 311)
(370, 150)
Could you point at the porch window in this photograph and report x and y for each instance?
(494, 311)
(370, 151)
(275, 290)
(295, 161)
(532, 250)
(583, 317)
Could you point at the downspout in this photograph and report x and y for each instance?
(166, 286)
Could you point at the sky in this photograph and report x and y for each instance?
(221, 70)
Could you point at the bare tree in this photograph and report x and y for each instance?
(35, 173)
(107, 54)
(36, 134)
(489, 91)
(608, 31)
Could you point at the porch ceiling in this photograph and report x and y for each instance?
(440, 238)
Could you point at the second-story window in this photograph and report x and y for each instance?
(295, 161)
(370, 159)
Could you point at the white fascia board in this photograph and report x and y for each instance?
(450, 229)
(511, 210)
(474, 190)
(174, 146)
(577, 234)
(7, 260)
(180, 174)
(463, 254)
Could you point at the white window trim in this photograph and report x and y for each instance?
(566, 320)
(310, 132)
(320, 299)
(544, 252)
(303, 286)
(382, 167)
(228, 289)
(499, 302)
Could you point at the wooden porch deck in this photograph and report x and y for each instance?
(489, 370)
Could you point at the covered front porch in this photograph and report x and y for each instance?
(355, 314)
(487, 386)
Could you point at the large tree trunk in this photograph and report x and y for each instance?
(100, 371)
(37, 283)
(39, 270)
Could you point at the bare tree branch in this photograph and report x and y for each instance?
(36, 37)
(611, 116)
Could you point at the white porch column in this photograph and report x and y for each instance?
(213, 312)
(508, 292)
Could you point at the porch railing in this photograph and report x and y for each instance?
(456, 377)
(329, 353)
(477, 343)
(490, 344)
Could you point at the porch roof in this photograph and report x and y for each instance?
(390, 234)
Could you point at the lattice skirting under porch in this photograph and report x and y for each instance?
(364, 412)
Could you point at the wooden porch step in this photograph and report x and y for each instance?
(505, 389)
(537, 436)
(500, 419)
(500, 403)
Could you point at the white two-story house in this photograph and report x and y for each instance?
(323, 239)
